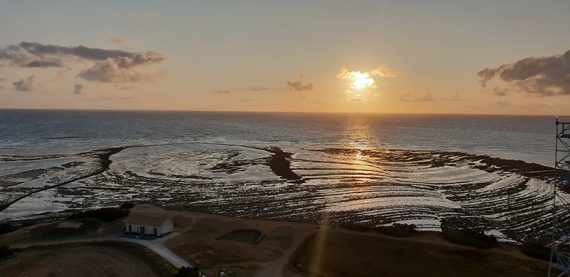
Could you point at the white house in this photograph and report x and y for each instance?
(149, 225)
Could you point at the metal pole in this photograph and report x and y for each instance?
(554, 221)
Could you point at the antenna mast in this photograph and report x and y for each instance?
(560, 245)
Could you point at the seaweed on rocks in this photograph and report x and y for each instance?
(281, 166)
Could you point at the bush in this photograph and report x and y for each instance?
(186, 271)
(536, 249)
(359, 227)
(398, 230)
(474, 236)
(7, 228)
(5, 251)
(127, 206)
(104, 214)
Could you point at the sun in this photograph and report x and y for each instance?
(361, 80)
(357, 80)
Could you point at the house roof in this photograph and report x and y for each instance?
(146, 220)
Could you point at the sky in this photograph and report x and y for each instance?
(459, 57)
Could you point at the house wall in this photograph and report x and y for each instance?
(148, 230)
(166, 227)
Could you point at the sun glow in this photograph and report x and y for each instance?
(361, 80)
(358, 80)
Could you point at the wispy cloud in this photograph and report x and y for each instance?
(120, 41)
(503, 104)
(454, 98)
(407, 97)
(499, 91)
(543, 76)
(257, 88)
(299, 85)
(77, 88)
(25, 84)
(220, 91)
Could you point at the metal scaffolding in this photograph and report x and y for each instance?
(560, 245)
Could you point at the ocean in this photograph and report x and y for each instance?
(528, 138)
(334, 168)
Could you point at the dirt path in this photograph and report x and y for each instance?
(158, 247)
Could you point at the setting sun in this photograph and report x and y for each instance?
(361, 80)
(357, 81)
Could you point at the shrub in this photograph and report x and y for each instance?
(536, 249)
(7, 228)
(398, 230)
(468, 234)
(127, 206)
(104, 214)
(5, 251)
(359, 227)
(186, 271)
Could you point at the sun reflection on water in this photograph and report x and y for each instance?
(358, 167)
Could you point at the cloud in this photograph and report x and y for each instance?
(114, 71)
(222, 91)
(129, 58)
(26, 84)
(407, 97)
(383, 70)
(299, 85)
(503, 104)
(256, 88)
(499, 91)
(455, 97)
(120, 98)
(45, 63)
(120, 41)
(77, 88)
(543, 76)
(112, 66)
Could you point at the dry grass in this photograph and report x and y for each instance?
(343, 253)
(86, 259)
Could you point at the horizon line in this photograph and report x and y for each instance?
(273, 112)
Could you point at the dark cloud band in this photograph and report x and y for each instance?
(534, 75)
(110, 65)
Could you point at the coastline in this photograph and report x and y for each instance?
(373, 187)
